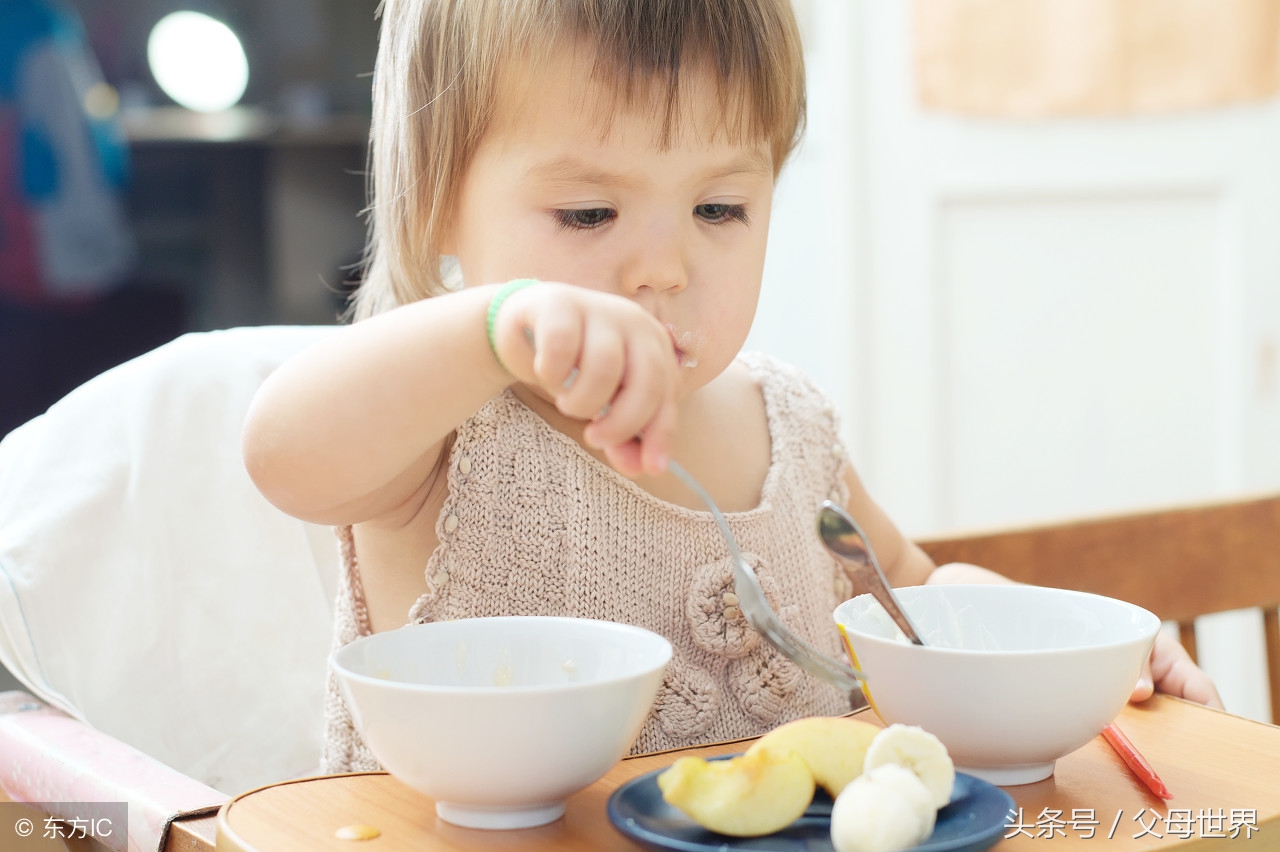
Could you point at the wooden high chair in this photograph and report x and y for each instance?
(1180, 563)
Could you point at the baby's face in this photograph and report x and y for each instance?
(557, 194)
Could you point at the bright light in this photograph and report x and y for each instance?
(198, 61)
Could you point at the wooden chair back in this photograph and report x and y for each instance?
(1179, 563)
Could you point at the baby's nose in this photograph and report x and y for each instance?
(657, 263)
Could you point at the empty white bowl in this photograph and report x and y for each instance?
(1011, 677)
(501, 719)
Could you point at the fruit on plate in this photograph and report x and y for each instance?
(759, 792)
(885, 809)
(832, 746)
(917, 750)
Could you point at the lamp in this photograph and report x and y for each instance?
(198, 61)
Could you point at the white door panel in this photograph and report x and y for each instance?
(1058, 318)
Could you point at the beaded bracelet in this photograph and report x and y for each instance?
(495, 303)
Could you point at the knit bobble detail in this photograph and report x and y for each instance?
(712, 611)
(688, 700)
(766, 683)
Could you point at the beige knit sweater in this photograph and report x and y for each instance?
(533, 525)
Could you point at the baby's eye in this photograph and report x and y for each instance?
(584, 219)
(720, 214)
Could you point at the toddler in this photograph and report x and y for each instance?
(488, 445)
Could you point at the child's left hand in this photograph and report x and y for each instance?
(1170, 669)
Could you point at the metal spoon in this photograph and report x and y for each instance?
(847, 542)
(756, 609)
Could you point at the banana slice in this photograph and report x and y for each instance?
(886, 809)
(917, 750)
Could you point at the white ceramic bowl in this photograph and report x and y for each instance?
(1011, 678)
(500, 719)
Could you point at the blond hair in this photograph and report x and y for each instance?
(437, 80)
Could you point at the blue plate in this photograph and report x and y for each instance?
(976, 819)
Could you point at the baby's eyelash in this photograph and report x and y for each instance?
(722, 214)
(590, 218)
(583, 219)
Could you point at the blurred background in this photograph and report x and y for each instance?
(189, 219)
(1031, 247)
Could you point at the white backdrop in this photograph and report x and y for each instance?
(1030, 321)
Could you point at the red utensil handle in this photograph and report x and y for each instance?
(1135, 761)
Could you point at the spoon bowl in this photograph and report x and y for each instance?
(845, 540)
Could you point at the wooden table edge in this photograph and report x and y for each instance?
(226, 839)
(214, 831)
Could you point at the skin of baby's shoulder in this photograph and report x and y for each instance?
(724, 440)
(734, 393)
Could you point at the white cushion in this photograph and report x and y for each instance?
(147, 588)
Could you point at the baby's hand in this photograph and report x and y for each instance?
(601, 358)
(1170, 669)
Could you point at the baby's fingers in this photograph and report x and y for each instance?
(656, 441)
(648, 453)
(1173, 672)
(557, 343)
(644, 406)
(638, 396)
(601, 366)
(626, 458)
(1145, 686)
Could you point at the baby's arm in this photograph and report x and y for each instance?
(351, 429)
(905, 564)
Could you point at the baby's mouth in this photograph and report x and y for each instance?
(682, 345)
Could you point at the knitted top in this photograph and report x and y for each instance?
(534, 525)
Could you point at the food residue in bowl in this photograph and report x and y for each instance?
(942, 624)
(460, 658)
(503, 675)
(570, 666)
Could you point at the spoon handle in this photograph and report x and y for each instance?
(878, 586)
(844, 540)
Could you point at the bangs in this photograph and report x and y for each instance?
(647, 53)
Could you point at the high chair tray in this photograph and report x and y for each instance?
(1213, 762)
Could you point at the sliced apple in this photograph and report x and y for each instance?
(833, 747)
(759, 792)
